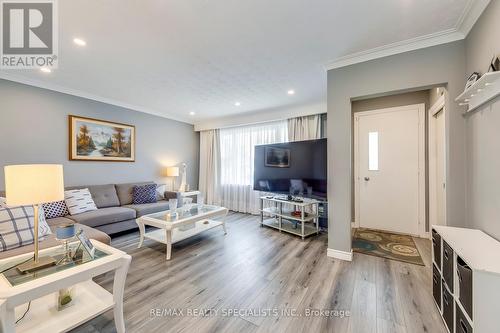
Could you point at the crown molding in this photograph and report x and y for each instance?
(470, 15)
(75, 92)
(468, 18)
(413, 44)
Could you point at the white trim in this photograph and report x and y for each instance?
(435, 109)
(75, 92)
(263, 116)
(470, 15)
(421, 161)
(337, 254)
(438, 106)
(421, 42)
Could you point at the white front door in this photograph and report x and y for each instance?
(390, 169)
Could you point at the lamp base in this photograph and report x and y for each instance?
(32, 266)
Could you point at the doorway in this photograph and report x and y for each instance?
(389, 164)
(437, 163)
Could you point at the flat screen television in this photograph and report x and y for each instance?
(297, 168)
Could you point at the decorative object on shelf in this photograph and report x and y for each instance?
(86, 243)
(172, 172)
(65, 298)
(495, 64)
(298, 213)
(277, 157)
(100, 140)
(65, 233)
(33, 185)
(472, 79)
(184, 187)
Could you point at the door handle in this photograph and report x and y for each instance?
(367, 178)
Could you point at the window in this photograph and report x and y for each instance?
(373, 151)
(237, 149)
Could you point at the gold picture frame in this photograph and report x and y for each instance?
(100, 140)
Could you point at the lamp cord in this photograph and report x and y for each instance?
(25, 312)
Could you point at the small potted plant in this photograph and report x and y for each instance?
(65, 298)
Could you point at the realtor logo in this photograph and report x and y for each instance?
(29, 34)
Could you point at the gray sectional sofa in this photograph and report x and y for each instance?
(116, 213)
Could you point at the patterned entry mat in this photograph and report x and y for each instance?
(386, 245)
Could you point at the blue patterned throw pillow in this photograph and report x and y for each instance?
(144, 194)
(55, 209)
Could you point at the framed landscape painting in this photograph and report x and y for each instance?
(100, 140)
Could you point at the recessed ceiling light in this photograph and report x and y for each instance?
(192, 113)
(237, 103)
(79, 42)
(291, 92)
(45, 69)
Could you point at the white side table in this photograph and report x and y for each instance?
(186, 195)
(90, 299)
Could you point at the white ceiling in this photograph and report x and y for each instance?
(173, 57)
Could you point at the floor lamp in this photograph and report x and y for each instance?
(32, 185)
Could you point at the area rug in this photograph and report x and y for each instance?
(386, 245)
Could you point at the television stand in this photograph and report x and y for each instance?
(290, 216)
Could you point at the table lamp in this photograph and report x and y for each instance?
(32, 185)
(172, 172)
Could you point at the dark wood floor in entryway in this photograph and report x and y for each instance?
(259, 268)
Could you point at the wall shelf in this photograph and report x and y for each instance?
(481, 92)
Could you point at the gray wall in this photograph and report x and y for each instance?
(34, 129)
(483, 130)
(420, 69)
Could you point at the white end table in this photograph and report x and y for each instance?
(90, 299)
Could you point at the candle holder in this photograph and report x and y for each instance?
(65, 233)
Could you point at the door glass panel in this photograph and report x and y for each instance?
(373, 151)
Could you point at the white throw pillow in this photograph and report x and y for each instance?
(79, 201)
(160, 191)
(43, 227)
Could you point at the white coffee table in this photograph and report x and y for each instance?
(90, 299)
(187, 221)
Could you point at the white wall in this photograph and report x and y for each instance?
(483, 130)
(249, 118)
(439, 65)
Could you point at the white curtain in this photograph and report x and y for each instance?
(237, 158)
(210, 166)
(304, 128)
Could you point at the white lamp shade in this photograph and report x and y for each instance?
(172, 172)
(33, 184)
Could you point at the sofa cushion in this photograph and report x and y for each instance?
(149, 208)
(79, 201)
(17, 226)
(104, 216)
(55, 209)
(103, 195)
(50, 240)
(144, 194)
(124, 192)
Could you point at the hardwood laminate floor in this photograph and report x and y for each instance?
(256, 279)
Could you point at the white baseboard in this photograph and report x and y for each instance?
(342, 255)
